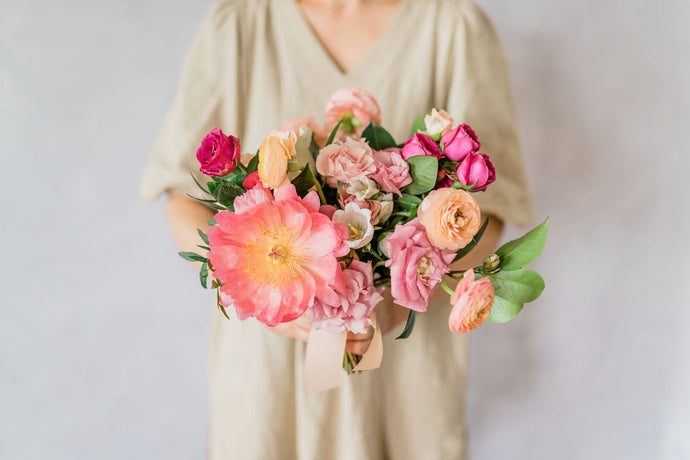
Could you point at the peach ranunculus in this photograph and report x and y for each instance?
(276, 150)
(320, 134)
(343, 161)
(357, 102)
(472, 302)
(451, 218)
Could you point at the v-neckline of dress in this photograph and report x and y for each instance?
(375, 60)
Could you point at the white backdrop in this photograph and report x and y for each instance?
(100, 359)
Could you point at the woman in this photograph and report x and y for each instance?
(256, 64)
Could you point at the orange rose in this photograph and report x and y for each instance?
(275, 152)
(451, 218)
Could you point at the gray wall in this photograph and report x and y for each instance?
(100, 360)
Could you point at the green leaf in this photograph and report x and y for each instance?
(226, 193)
(333, 132)
(205, 248)
(212, 222)
(417, 126)
(203, 236)
(518, 253)
(220, 306)
(475, 239)
(253, 164)
(203, 275)
(423, 169)
(304, 181)
(235, 177)
(377, 137)
(504, 308)
(198, 184)
(314, 148)
(409, 325)
(192, 256)
(522, 285)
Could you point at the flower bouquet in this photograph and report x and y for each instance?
(324, 218)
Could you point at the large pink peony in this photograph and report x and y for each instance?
(355, 301)
(417, 266)
(274, 255)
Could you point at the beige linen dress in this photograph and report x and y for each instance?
(255, 64)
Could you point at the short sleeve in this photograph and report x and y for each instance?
(480, 95)
(208, 82)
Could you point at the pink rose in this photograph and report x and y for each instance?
(320, 134)
(355, 301)
(344, 161)
(392, 171)
(459, 143)
(476, 169)
(417, 266)
(358, 102)
(472, 302)
(218, 153)
(420, 144)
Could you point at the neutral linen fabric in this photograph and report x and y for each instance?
(256, 64)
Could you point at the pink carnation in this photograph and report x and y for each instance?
(392, 171)
(417, 266)
(356, 299)
(345, 160)
(274, 254)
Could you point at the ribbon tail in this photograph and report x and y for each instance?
(323, 362)
(374, 355)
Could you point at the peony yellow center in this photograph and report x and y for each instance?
(274, 258)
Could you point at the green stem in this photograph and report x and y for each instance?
(447, 288)
(319, 190)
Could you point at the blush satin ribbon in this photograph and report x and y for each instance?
(323, 362)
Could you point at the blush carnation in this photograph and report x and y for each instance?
(472, 302)
(356, 101)
(274, 256)
(344, 161)
(356, 299)
(417, 266)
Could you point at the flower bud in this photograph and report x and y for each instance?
(490, 264)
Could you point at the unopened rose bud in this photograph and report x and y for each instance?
(491, 263)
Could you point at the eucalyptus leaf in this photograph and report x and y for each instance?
(203, 275)
(518, 253)
(417, 126)
(522, 285)
(475, 239)
(423, 169)
(253, 164)
(504, 309)
(192, 256)
(203, 236)
(377, 137)
(409, 325)
(198, 184)
(304, 181)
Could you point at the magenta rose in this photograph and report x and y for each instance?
(459, 143)
(417, 266)
(420, 144)
(351, 308)
(392, 171)
(476, 169)
(218, 153)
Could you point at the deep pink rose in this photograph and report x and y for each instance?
(218, 153)
(417, 266)
(354, 303)
(392, 171)
(420, 144)
(443, 179)
(459, 143)
(476, 169)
